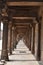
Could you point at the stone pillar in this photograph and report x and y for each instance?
(39, 42)
(0, 30)
(42, 39)
(13, 38)
(36, 39)
(4, 55)
(10, 38)
(41, 33)
(38, 55)
(30, 36)
(33, 39)
(0, 23)
(26, 38)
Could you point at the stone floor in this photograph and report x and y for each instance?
(22, 56)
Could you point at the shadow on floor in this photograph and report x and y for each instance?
(20, 60)
(21, 54)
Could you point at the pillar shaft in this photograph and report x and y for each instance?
(4, 54)
(39, 41)
(0, 30)
(27, 38)
(30, 36)
(33, 40)
(10, 38)
(15, 38)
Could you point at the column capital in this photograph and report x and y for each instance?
(38, 19)
(10, 25)
(33, 25)
(4, 11)
(39, 15)
(5, 19)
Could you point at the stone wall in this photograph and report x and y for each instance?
(0, 31)
(42, 39)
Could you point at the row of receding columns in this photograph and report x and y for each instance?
(34, 45)
(32, 36)
(10, 31)
(8, 44)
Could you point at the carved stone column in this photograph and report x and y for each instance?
(10, 37)
(33, 40)
(42, 39)
(36, 39)
(30, 36)
(39, 42)
(39, 39)
(13, 38)
(0, 30)
(26, 38)
(4, 55)
(0, 27)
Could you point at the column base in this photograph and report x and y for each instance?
(38, 59)
(10, 52)
(33, 52)
(4, 55)
(4, 58)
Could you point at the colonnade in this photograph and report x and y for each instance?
(10, 34)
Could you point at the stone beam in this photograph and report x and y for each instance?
(22, 24)
(23, 18)
(24, 3)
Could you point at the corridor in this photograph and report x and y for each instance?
(22, 32)
(21, 56)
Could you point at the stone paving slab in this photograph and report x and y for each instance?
(22, 49)
(40, 62)
(18, 51)
(22, 63)
(22, 57)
